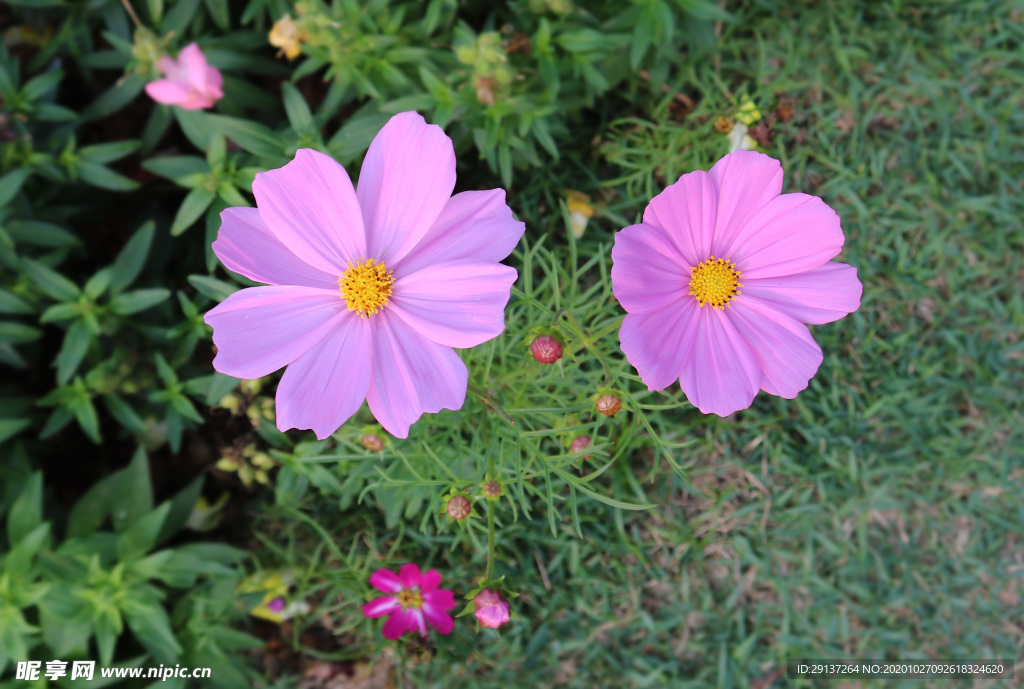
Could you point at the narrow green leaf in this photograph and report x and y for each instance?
(177, 167)
(132, 257)
(181, 508)
(138, 300)
(76, 344)
(18, 333)
(297, 110)
(252, 136)
(135, 496)
(108, 152)
(11, 183)
(191, 209)
(26, 513)
(215, 289)
(52, 283)
(140, 536)
(104, 177)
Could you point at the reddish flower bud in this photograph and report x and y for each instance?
(546, 349)
(491, 608)
(609, 405)
(492, 489)
(458, 507)
(372, 442)
(581, 443)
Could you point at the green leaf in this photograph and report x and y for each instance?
(116, 97)
(297, 110)
(123, 413)
(191, 209)
(39, 233)
(135, 493)
(11, 427)
(216, 153)
(60, 312)
(355, 135)
(178, 18)
(139, 538)
(151, 626)
(219, 12)
(52, 283)
(132, 258)
(85, 414)
(26, 513)
(18, 561)
(11, 183)
(643, 32)
(181, 508)
(185, 408)
(18, 333)
(97, 284)
(37, 87)
(177, 167)
(195, 125)
(220, 385)
(104, 177)
(215, 289)
(76, 344)
(252, 136)
(138, 300)
(93, 507)
(108, 152)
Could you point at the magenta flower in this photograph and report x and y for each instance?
(491, 609)
(189, 82)
(369, 288)
(679, 276)
(413, 601)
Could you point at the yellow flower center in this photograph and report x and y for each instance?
(366, 286)
(715, 282)
(410, 598)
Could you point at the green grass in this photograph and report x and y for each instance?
(877, 515)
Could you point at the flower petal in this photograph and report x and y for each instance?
(167, 92)
(442, 599)
(410, 575)
(406, 180)
(246, 246)
(648, 270)
(746, 181)
(660, 343)
(792, 234)
(324, 387)
(310, 206)
(722, 376)
(395, 625)
(438, 619)
(415, 622)
(194, 63)
(785, 351)
(411, 376)
(258, 330)
(458, 304)
(385, 580)
(821, 295)
(379, 607)
(686, 211)
(473, 224)
(172, 69)
(430, 581)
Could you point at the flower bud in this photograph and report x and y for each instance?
(492, 490)
(579, 444)
(491, 608)
(372, 442)
(546, 349)
(609, 405)
(458, 507)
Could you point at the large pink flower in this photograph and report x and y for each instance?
(369, 288)
(189, 82)
(413, 601)
(719, 280)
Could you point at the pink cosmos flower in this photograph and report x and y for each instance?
(413, 601)
(679, 276)
(190, 82)
(370, 288)
(491, 608)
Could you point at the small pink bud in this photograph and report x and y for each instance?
(581, 443)
(491, 608)
(609, 405)
(372, 442)
(546, 349)
(276, 605)
(458, 507)
(492, 489)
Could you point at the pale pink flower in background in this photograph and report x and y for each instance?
(719, 280)
(413, 601)
(189, 82)
(491, 609)
(370, 288)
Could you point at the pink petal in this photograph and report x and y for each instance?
(167, 92)
(473, 224)
(821, 295)
(395, 625)
(660, 343)
(379, 607)
(258, 330)
(411, 376)
(458, 304)
(407, 178)
(441, 621)
(686, 211)
(310, 206)
(172, 69)
(246, 246)
(746, 181)
(324, 387)
(792, 234)
(410, 575)
(415, 622)
(214, 82)
(442, 599)
(385, 580)
(785, 351)
(430, 581)
(722, 376)
(648, 270)
(492, 616)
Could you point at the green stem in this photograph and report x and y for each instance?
(490, 540)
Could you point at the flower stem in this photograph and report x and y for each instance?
(490, 540)
(131, 13)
